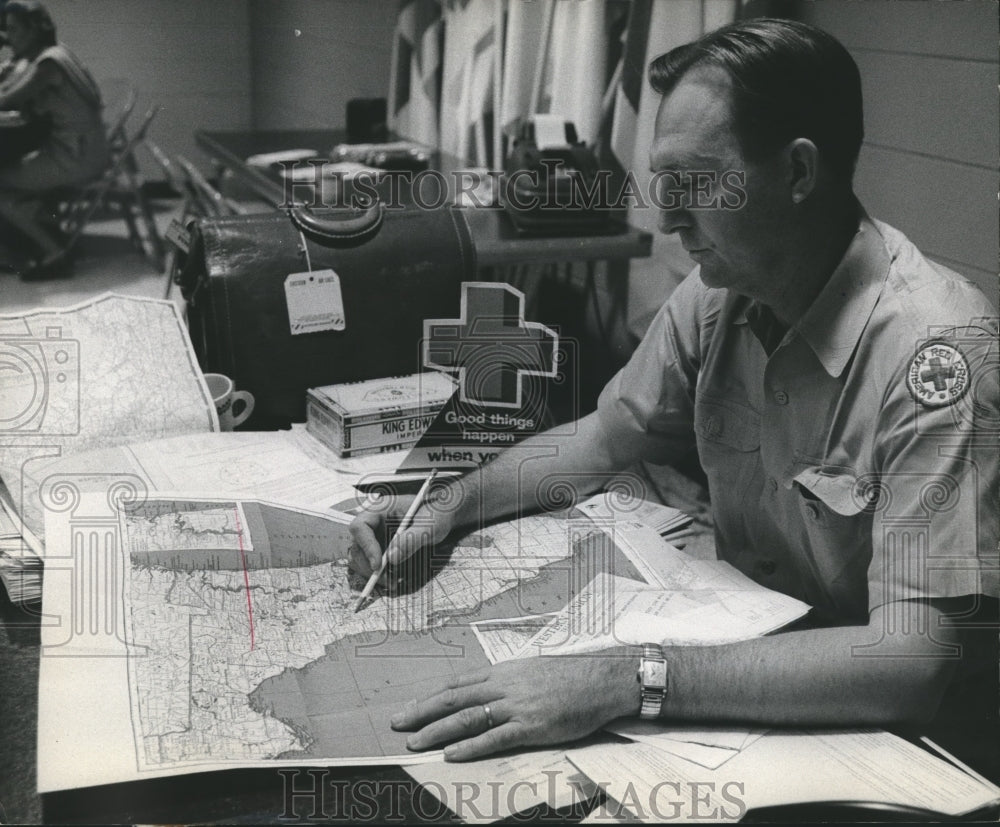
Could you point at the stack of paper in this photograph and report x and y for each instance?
(707, 747)
(20, 566)
(495, 788)
(611, 506)
(870, 767)
(611, 611)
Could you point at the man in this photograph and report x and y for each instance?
(833, 382)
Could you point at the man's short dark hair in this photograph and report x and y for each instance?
(790, 80)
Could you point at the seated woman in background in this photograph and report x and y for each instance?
(62, 105)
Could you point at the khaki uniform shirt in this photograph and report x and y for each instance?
(855, 465)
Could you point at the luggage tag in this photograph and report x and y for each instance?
(314, 300)
(178, 235)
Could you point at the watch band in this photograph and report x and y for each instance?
(652, 677)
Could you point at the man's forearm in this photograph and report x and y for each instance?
(535, 474)
(848, 675)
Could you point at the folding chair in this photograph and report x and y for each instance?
(119, 186)
(119, 110)
(208, 201)
(200, 200)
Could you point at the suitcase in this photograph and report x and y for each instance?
(396, 267)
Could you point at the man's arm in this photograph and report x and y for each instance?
(631, 423)
(581, 455)
(893, 670)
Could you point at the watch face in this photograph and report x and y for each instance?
(654, 674)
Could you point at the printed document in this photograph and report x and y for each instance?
(782, 768)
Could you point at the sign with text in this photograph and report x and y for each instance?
(503, 365)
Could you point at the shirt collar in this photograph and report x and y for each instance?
(833, 323)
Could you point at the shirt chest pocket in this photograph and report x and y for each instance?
(728, 435)
(835, 491)
(837, 520)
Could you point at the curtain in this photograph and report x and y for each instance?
(415, 75)
(670, 23)
(583, 59)
(553, 60)
(467, 91)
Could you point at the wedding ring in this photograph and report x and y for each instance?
(489, 716)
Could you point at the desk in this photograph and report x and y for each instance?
(235, 796)
(497, 243)
(498, 248)
(252, 795)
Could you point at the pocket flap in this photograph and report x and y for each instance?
(836, 487)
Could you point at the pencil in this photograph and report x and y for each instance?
(404, 524)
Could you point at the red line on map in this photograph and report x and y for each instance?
(246, 574)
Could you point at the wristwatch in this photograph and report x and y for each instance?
(652, 677)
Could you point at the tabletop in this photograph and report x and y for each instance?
(966, 726)
(498, 243)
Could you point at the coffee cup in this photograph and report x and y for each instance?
(228, 401)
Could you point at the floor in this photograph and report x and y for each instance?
(105, 262)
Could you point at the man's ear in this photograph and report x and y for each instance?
(803, 166)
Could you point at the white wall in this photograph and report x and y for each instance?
(929, 162)
(310, 57)
(232, 64)
(932, 122)
(192, 57)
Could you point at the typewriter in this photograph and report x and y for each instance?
(550, 180)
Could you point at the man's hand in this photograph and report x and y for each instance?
(380, 517)
(535, 701)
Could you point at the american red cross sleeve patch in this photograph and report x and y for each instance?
(938, 375)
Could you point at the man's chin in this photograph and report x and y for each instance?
(711, 276)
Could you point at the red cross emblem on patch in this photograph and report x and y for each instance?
(938, 375)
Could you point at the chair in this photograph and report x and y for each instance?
(208, 201)
(119, 187)
(199, 200)
(119, 101)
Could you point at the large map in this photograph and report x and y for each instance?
(242, 648)
(80, 378)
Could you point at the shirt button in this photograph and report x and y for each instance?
(772, 484)
(813, 511)
(781, 397)
(767, 567)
